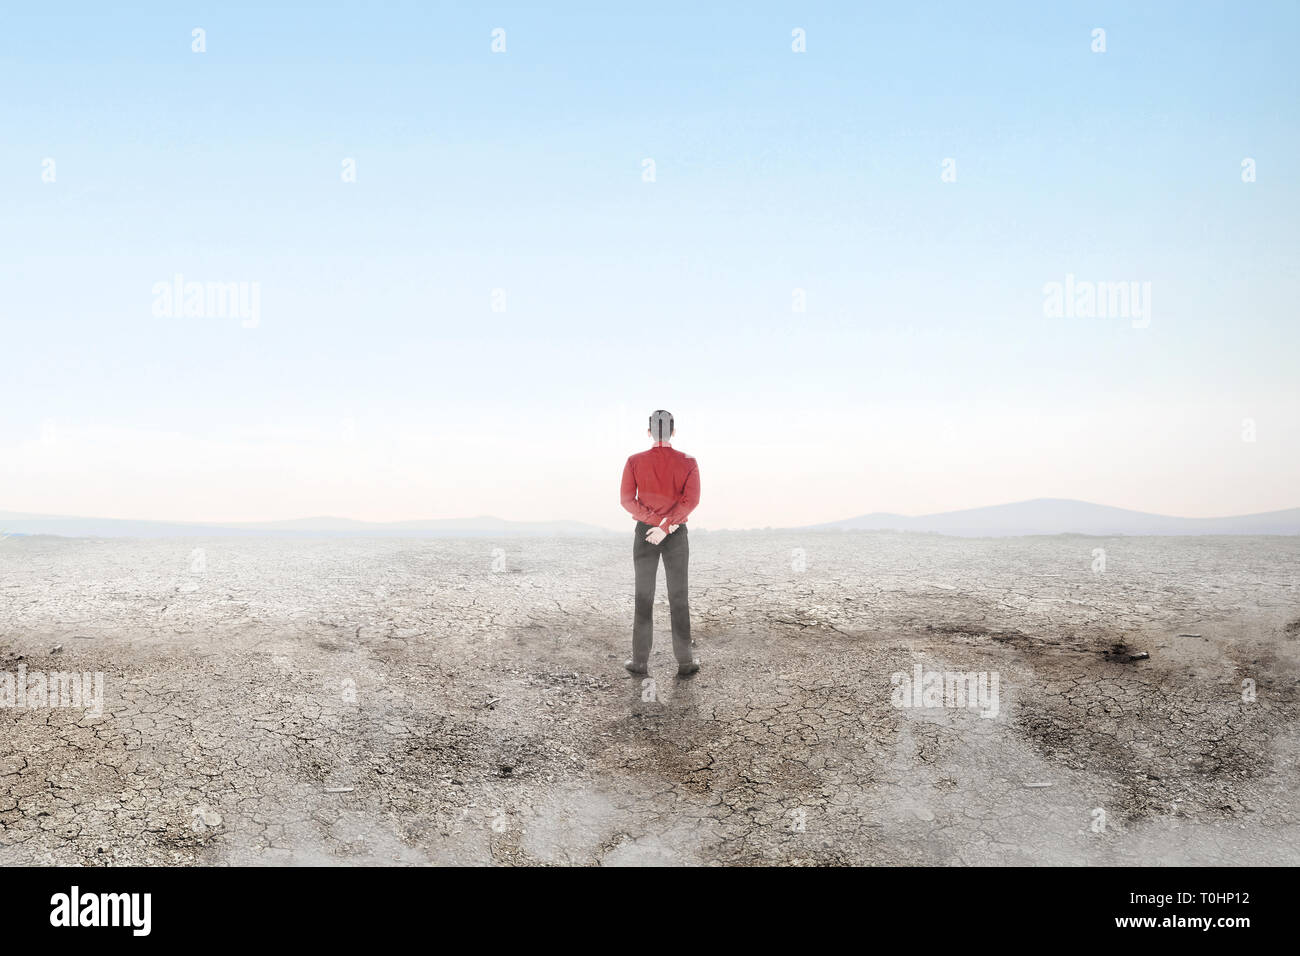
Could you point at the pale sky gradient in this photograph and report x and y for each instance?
(380, 385)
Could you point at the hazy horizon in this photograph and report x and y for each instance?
(1063, 512)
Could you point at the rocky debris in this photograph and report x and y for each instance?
(1120, 651)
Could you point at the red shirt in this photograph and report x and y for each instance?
(661, 485)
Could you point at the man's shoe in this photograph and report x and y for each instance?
(686, 670)
(634, 668)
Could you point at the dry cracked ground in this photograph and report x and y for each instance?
(322, 701)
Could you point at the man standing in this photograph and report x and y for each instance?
(661, 487)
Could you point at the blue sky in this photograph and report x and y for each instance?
(379, 382)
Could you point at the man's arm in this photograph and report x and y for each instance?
(627, 494)
(689, 500)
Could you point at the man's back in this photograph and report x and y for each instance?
(661, 483)
(661, 487)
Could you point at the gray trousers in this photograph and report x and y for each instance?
(676, 551)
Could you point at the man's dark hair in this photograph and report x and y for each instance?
(661, 425)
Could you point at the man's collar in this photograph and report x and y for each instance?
(662, 444)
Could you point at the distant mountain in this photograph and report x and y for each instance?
(15, 523)
(1067, 516)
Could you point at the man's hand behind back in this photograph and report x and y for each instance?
(656, 535)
